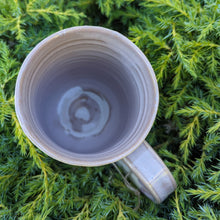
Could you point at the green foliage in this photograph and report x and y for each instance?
(181, 40)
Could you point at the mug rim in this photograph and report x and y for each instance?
(79, 162)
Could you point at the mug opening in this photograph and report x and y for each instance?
(99, 61)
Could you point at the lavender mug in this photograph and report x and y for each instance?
(87, 96)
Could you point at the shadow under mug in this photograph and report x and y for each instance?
(88, 96)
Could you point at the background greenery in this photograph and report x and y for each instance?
(182, 41)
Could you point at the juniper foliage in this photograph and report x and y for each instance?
(181, 40)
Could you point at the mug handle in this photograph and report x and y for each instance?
(149, 173)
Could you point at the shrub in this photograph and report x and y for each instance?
(181, 40)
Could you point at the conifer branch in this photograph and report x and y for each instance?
(206, 192)
(204, 212)
(215, 173)
(177, 206)
(191, 132)
(172, 5)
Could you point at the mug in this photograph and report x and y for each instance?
(88, 96)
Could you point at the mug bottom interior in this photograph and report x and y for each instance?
(87, 105)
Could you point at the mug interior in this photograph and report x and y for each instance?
(94, 60)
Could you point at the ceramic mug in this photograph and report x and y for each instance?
(88, 96)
